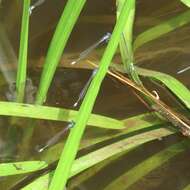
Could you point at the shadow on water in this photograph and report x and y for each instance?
(169, 54)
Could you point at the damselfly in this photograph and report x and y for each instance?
(55, 139)
(86, 52)
(183, 70)
(85, 88)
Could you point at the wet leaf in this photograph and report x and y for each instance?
(39, 184)
(53, 113)
(15, 168)
(126, 43)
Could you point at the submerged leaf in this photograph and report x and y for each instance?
(161, 29)
(113, 149)
(137, 172)
(108, 151)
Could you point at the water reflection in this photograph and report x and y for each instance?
(8, 58)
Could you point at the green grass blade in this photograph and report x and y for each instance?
(161, 29)
(14, 168)
(70, 149)
(126, 42)
(57, 114)
(40, 184)
(63, 30)
(136, 173)
(23, 51)
(128, 31)
(186, 2)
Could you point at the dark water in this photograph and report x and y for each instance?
(168, 54)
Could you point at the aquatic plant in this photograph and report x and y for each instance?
(132, 132)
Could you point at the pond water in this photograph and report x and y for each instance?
(169, 54)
